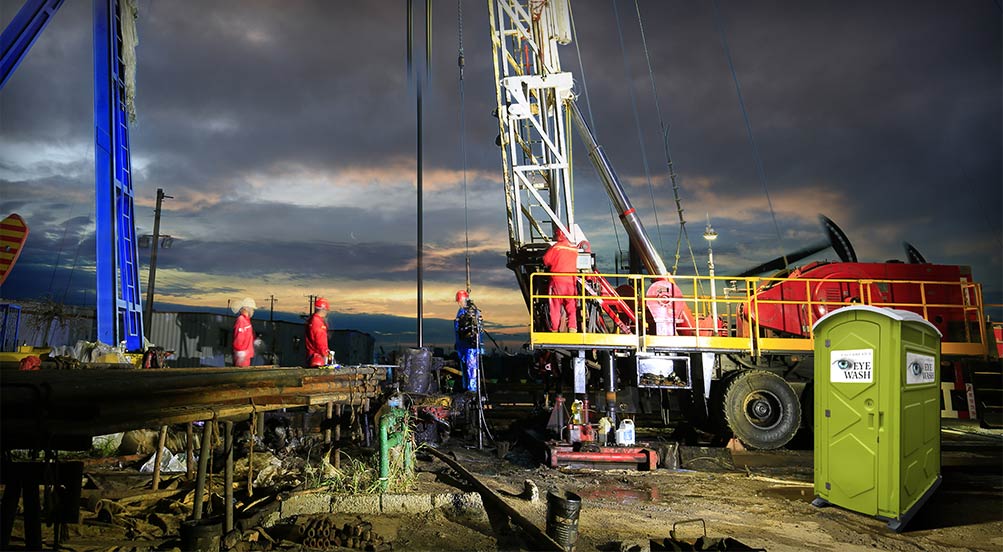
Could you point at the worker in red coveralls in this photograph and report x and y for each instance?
(316, 335)
(562, 257)
(243, 334)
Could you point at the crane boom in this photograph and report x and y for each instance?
(628, 215)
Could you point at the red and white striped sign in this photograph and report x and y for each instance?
(13, 233)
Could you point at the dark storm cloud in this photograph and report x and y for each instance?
(888, 111)
(252, 259)
(387, 262)
(56, 262)
(268, 244)
(885, 103)
(320, 85)
(62, 108)
(60, 196)
(894, 109)
(181, 289)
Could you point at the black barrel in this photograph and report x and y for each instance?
(562, 518)
(416, 373)
(201, 536)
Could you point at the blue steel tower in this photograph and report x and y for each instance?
(119, 303)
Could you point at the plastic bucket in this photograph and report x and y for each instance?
(562, 518)
(625, 435)
(201, 536)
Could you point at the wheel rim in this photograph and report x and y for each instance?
(763, 409)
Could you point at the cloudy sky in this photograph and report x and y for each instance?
(286, 133)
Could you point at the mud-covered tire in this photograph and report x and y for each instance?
(762, 409)
(717, 423)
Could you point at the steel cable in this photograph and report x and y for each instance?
(748, 127)
(592, 121)
(637, 122)
(463, 142)
(683, 234)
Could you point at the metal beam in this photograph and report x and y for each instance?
(22, 32)
(119, 305)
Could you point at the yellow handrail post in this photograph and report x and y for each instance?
(922, 299)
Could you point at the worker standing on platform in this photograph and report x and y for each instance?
(317, 353)
(243, 334)
(562, 257)
(468, 326)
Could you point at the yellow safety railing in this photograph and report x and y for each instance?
(994, 313)
(748, 313)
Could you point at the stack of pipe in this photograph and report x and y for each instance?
(43, 406)
(323, 533)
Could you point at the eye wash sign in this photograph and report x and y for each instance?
(852, 366)
(919, 369)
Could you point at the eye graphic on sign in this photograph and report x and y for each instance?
(843, 364)
(916, 368)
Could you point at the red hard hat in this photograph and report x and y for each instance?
(321, 304)
(462, 295)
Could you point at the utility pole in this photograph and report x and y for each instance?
(271, 322)
(148, 312)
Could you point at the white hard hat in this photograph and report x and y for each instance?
(246, 302)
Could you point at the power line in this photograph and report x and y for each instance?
(748, 127)
(76, 257)
(59, 254)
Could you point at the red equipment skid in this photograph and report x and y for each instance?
(564, 454)
(935, 292)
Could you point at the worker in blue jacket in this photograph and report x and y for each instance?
(467, 326)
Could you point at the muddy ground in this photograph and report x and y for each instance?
(763, 499)
(765, 502)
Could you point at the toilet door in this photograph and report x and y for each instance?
(850, 416)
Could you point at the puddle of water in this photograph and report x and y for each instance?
(796, 493)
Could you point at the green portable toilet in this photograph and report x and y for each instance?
(877, 412)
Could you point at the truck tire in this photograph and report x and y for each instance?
(762, 410)
(717, 423)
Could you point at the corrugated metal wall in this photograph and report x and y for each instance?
(197, 338)
(352, 347)
(40, 329)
